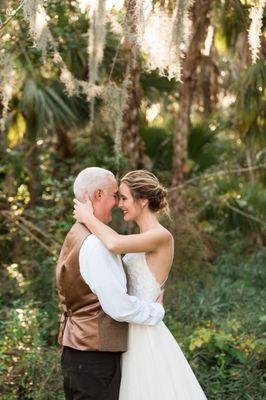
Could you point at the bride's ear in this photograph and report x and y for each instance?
(143, 202)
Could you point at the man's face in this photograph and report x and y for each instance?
(106, 201)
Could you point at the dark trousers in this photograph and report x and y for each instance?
(90, 375)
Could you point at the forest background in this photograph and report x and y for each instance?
(176, 87)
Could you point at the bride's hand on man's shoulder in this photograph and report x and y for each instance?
(83, 211)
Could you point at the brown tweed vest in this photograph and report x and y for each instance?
(83, 324)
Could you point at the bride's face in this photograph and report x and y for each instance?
(130, 207)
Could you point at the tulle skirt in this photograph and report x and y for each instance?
(154, 367)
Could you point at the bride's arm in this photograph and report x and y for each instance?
(116, 243)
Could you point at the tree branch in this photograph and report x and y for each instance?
(37, 229)
(218, 173)
(237, 210)
(6, 22)
(19, 224)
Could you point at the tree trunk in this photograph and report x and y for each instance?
(200, 22)
(208, 85)
(63, 144)
(242, 51)
(132, 144)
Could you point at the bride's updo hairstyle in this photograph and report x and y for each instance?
(144, 185)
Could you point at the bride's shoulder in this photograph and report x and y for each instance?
(163, 233)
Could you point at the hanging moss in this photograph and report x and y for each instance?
(255, 29)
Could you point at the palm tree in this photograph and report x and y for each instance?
(44, 110)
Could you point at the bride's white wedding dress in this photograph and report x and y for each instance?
(154, 367)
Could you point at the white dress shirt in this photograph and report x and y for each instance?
(104, 273)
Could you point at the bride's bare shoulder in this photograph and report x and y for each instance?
(164, 233)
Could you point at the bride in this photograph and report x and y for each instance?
(154, 367)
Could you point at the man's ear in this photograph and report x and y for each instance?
(98, 194)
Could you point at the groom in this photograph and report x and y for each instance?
(92, 288)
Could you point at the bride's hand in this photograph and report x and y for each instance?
(83, 211)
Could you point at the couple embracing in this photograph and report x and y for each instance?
(115, 345)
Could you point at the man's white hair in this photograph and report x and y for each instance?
(89, 180)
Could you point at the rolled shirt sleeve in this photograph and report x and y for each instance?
(104, 274)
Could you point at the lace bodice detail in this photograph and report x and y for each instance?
(141, 281)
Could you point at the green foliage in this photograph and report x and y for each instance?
(215, 294)
(155, 85)
(158, 146)
(251, 103)
(235, 360)
(43, 108)
(29, 369)
(221, 327)
(202, 147)
(225, 199)
(234, 19)
(192, 250)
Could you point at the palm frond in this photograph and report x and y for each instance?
(251, 102)
(44, 108)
